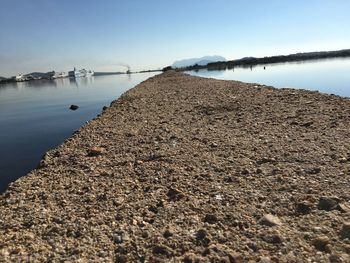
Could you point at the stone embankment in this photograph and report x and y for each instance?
(187, 169)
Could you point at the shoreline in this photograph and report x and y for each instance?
(184, 168)
(96, 74)
(253, 61)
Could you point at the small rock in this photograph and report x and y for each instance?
(321, 243)
(162, 250)
(121, 258)
(265, 260)
(270, 220)
(307, 124)
(218, 197)
(117, 239)
(168, 233)
(347, 248)
(210, 218)
(315, 170)
(303, 208)
(29, 236)
(201, 234)
(335, 259)
(343, 160)
(213, 145)
(153, 209)
(245, 172)
(130, 134)
(253, 246)
(102, 254)
(235, 257)
(345, 230)
(344, 208)
(273, 239)
(95, 151)
(174, 194)
(221, 238)
(189, 258)
(328, 203)
(118, 201)
(266, 160)
(145, 234)
(73, 107)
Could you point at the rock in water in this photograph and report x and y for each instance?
(73, 107)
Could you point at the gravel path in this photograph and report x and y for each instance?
(187, 169)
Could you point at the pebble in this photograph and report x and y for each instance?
(315, 170)
(201, 234)
(210, 218)
(235, 257)
(95, 151)
(189, 258)
(175, 194)
(265, 260)
(327, 203)
(118, 239)
(162, 250)
(344, 208)
(321, 243)
(270, 220)
(273, 238)
(168, 233)
(347, 248)
(345, 230)
(303, 208)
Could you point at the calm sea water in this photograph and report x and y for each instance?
(35, 116)
(328, 76)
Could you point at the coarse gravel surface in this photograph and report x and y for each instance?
(188, 169)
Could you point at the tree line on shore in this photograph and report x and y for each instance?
(252, 61)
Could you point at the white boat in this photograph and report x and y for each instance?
(90, 73)
(80, 73)
(74, 73)
(58, 75)
(20, 77)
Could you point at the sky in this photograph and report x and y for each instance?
(43, 35)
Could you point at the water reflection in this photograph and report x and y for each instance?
(33, 84)
(326, 75)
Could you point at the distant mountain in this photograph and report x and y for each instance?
(245, 59)
(199, 61)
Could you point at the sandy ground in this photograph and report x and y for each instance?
(187, 169)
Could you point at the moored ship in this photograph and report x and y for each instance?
(58, 75)
(80, 73)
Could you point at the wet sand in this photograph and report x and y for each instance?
(188, 169)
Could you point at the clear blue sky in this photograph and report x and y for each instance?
(40, 35)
